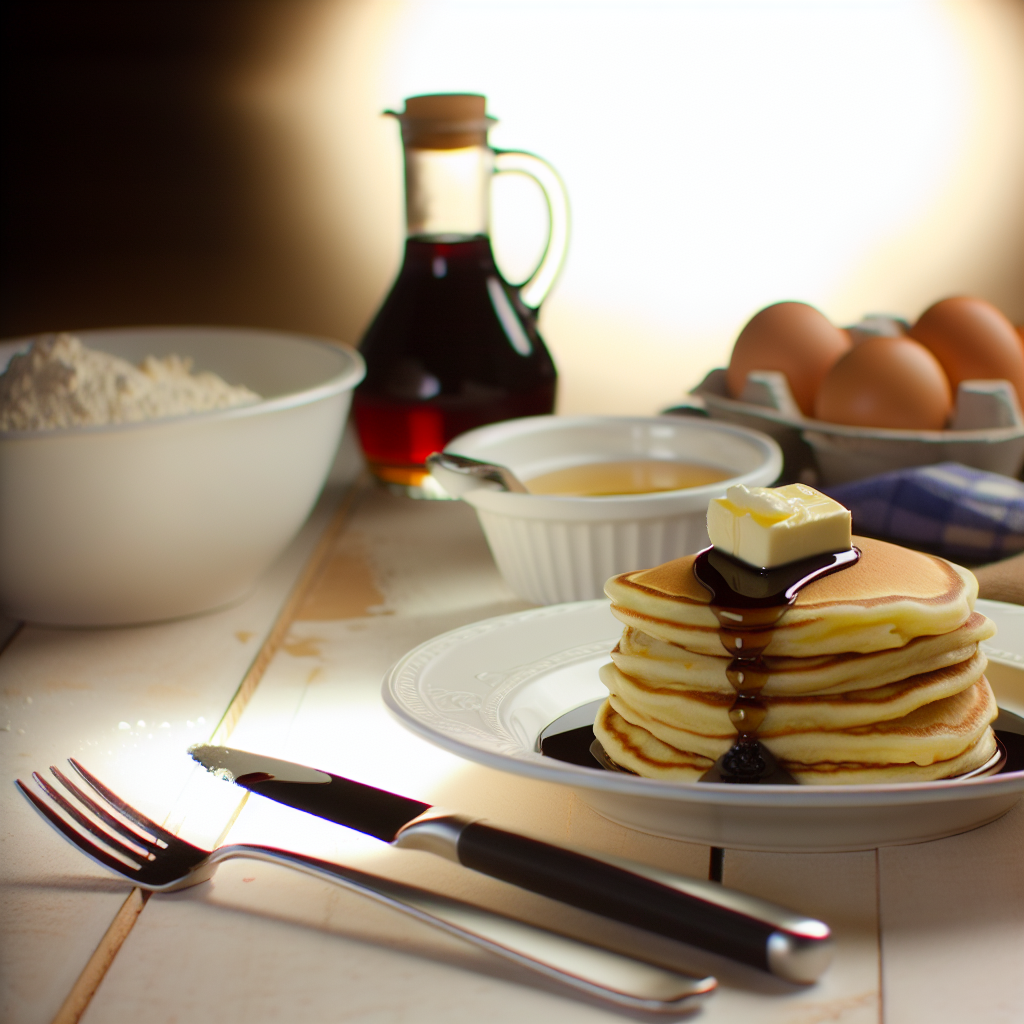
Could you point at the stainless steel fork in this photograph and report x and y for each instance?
(132, 845)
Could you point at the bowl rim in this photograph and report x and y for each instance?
(508, 501)
(352, 371)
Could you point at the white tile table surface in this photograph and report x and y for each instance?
(926, 934)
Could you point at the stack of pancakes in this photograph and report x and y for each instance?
(875, 675)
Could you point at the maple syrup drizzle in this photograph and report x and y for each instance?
(748, 603)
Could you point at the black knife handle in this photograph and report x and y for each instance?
(608, 890)
(702, 913)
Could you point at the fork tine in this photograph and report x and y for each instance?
(125, 809)
(139, 854)
(90, 849)
(168, 866)
(132, 835)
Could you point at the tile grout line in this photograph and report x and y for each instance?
(279, 631)
(87, 983)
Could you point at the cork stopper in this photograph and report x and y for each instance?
(444, 121)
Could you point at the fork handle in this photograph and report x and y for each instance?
(613, 977)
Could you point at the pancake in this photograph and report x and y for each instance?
(890, 597)
(662, 664)
(873, 674)
(708, 713)
(634, 748)
(639, 751)
(935, 732)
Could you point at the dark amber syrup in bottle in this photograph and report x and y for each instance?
(452, 348)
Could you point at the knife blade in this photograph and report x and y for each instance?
(705, 914)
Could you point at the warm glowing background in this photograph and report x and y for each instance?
(226, 162)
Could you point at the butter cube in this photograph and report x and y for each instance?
(770, 526)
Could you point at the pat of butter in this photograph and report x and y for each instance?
(770, 526)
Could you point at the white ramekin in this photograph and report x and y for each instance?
(136, 522)
(551, 549)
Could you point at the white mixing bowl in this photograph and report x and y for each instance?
(138, 522)
(551, 549)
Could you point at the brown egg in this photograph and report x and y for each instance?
(792, 338)
(886, 382)
(972, 340)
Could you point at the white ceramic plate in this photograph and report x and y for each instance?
(487, 691)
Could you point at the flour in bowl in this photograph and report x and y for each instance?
(59, 382)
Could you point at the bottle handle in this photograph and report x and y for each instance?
(510, 161)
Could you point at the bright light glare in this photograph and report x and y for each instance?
(719, 156)
(349, 734)
(333, 718)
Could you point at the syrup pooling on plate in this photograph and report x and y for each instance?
(748, 604)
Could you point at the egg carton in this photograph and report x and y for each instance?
(986, 431)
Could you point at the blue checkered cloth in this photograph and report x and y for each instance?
(947, 508)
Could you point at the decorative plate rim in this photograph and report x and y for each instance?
(498, 748)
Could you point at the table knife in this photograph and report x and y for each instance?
(705, 914)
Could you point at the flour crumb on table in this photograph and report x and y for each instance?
(59, 382)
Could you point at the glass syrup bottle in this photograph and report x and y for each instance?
(455, 346)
